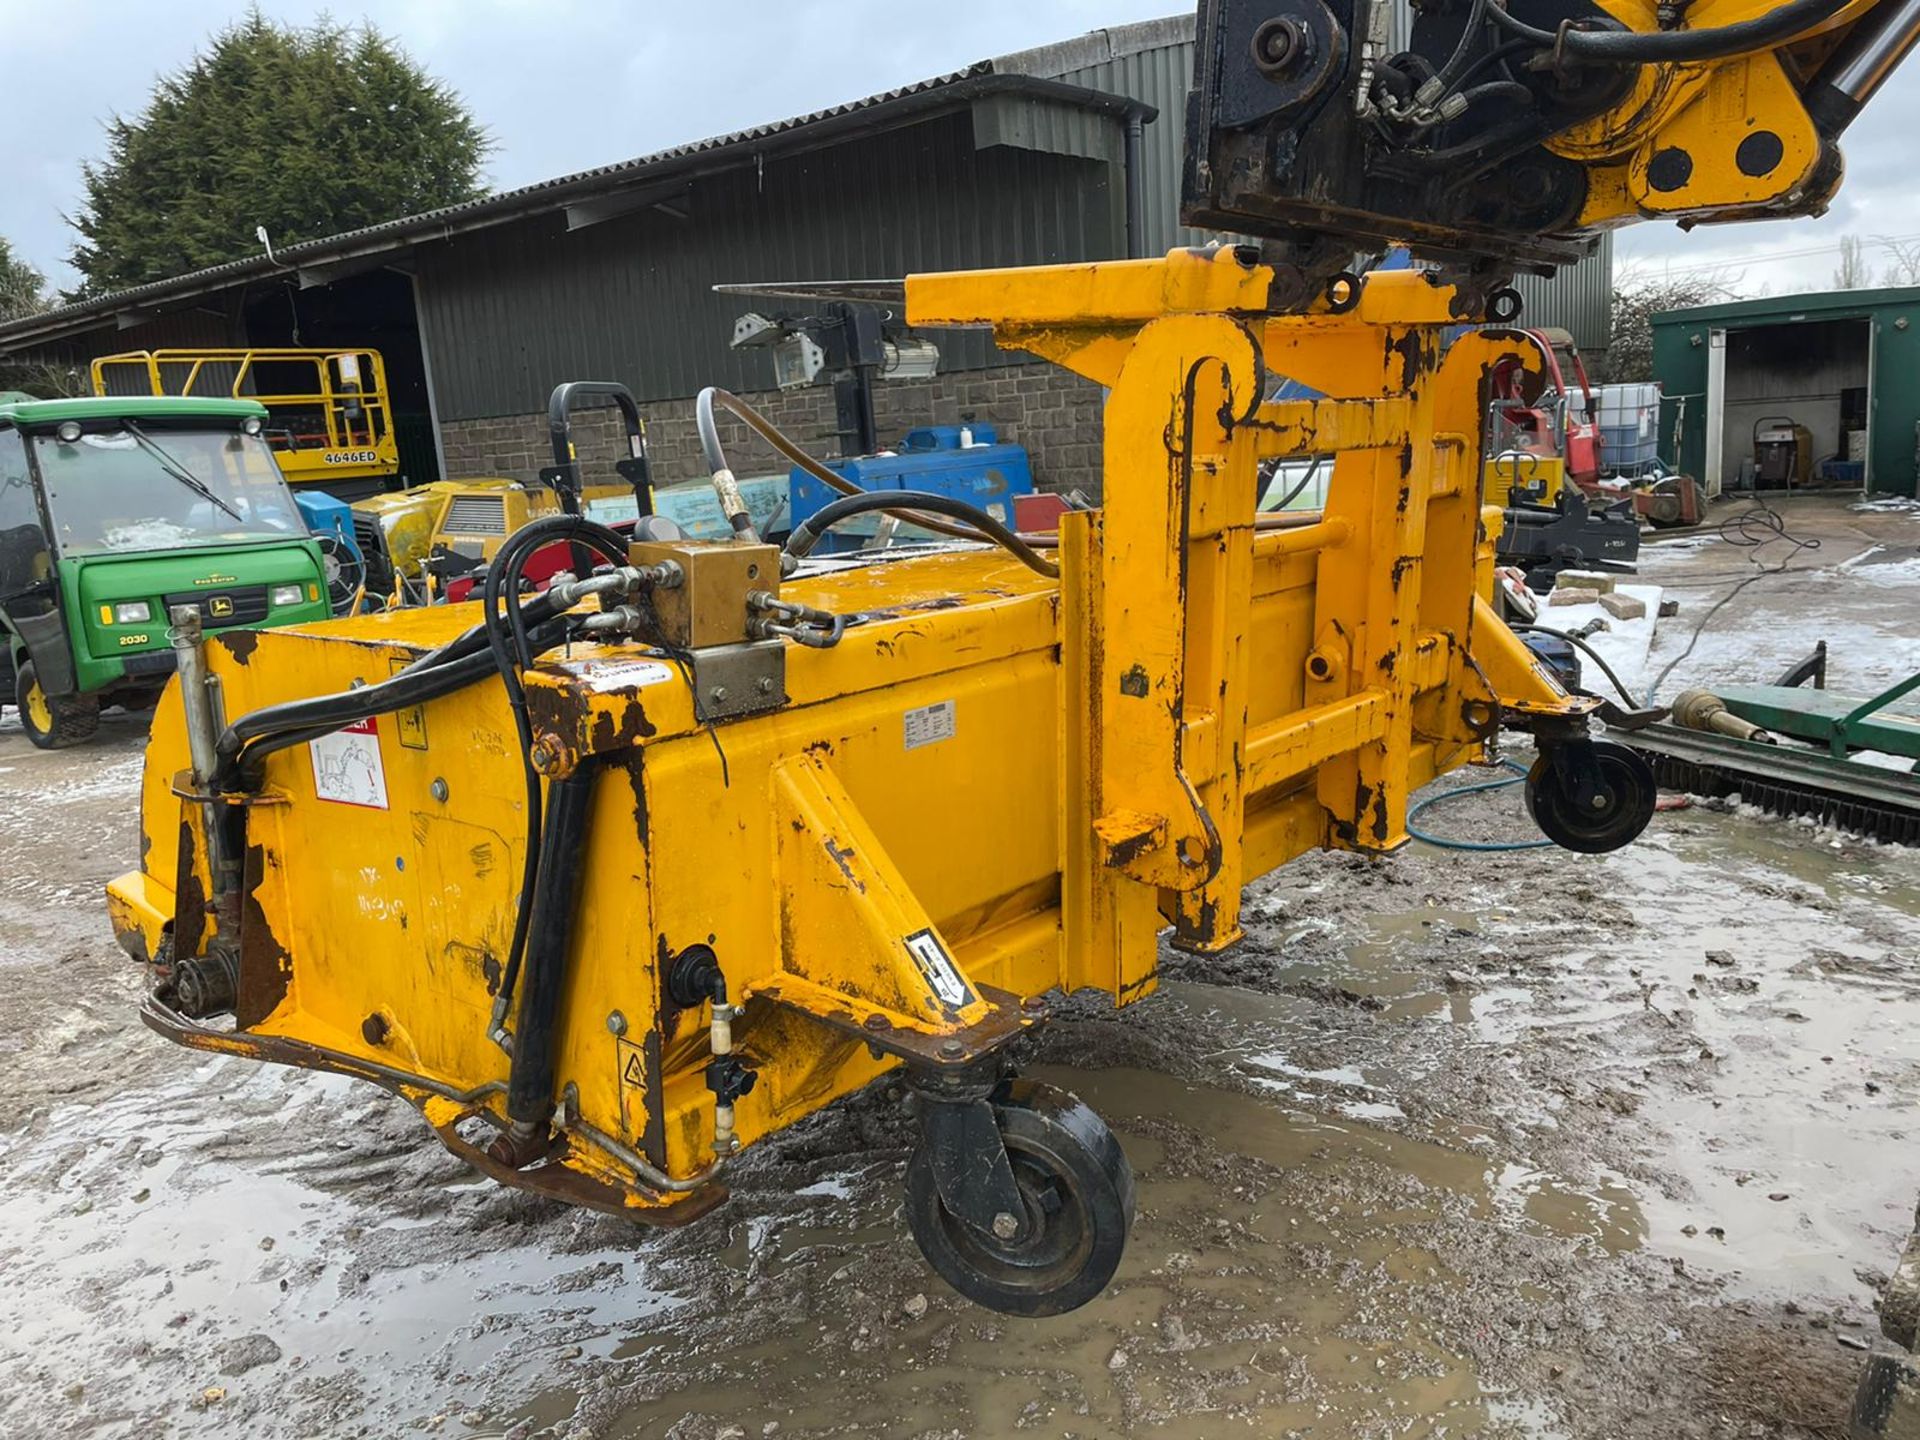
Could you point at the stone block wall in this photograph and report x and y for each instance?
(1055, 414)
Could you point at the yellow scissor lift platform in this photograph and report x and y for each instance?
(330, 415)
(772, 870)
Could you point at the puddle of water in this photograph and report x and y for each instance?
(158, 1236)
(1277, 1306)
(1606, 1212)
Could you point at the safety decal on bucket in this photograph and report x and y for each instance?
(928, 724)
(601, 676)
(347, 768)
(938, 968)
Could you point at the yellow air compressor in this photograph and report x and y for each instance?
(615, 880)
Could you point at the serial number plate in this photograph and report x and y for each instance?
(929, 724)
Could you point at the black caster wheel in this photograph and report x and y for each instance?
(1622, 801)
(1078, 1190)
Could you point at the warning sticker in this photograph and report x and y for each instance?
(603, 675)
(633, 1085)
(938, 968)
(347, 768)
(413, 719)
(928, 724)
(633, 1066)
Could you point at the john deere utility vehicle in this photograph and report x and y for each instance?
(112, 513)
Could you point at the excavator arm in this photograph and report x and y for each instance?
(1494, 136)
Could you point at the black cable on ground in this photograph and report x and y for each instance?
(1756, 526)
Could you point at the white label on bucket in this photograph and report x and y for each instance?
(601, 676)
(944, 980)
(347, 768)
(928, 724)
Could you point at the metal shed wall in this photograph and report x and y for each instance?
(1159, 75)
(508, 312)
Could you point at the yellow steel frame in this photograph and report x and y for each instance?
(1196, 700)
(353, 449)
(1705, 110)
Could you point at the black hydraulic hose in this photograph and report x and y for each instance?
(556, 903)
(1592, 654)
(322, 714)
(503, 585)
(769, 432)
(808, 532)
(1501, 89)
(299, 721)
(1637, 47)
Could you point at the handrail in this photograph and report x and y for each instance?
(355, 417)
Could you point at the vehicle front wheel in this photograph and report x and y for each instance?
(53, 722)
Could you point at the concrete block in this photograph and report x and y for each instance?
(1586, 580)
(1623, 607)
(1562, 595)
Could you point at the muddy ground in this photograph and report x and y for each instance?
(1456, 1144)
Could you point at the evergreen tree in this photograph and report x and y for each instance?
(307, 132)
(22, 288)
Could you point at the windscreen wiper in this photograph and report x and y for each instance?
(178, 471)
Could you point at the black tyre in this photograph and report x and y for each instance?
(53, 722)
(1626, 795)
(1078, 1190)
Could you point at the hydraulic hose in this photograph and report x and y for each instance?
(808, 532)
(716, 458)
(1594, 655)
(555, 907)
(503, 585)
(441, 672)
(1638, 47)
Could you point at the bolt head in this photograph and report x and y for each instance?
(616, 1022)
(878, 1022)
(719, 692)
(764, 685)
(439, 789)
(952, 1049)
(1006, 1226)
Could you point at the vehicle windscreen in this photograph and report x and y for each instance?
(145, 487)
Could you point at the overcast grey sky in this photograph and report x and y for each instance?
(562, 85)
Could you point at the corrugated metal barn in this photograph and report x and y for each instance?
(1068, 152)
(1840, 367)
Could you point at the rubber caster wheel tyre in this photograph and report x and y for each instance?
(1629, 790)
(51, 722)
(1078, 1190)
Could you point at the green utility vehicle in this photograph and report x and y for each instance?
(113, 512)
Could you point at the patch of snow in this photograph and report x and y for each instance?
(1625, 644)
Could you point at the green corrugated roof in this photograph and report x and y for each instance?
(1788, 308)
(134, 407)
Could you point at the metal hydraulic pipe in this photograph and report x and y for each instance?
(1860, 65)
(1316, 534)
(203, 740)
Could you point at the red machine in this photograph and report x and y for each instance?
(1551, 415)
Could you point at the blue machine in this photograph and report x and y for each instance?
(330, 521)
(985, 473)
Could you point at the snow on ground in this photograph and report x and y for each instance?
(1624, 643)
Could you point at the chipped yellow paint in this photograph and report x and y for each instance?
(1196, 700)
